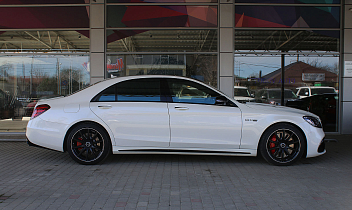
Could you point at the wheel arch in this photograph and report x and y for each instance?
(82, 122)
(289, 123)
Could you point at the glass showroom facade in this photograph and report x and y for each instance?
(275, 48)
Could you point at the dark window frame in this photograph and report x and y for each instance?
(165, 92)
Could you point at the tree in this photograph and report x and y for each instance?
(318, 63)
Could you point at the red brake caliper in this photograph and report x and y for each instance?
(79, 143)
(272, 145)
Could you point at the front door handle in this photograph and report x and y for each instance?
(181, 108)
(104, 106)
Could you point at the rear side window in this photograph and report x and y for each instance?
(140, 90)
(108, 94)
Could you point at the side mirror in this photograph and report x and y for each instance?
(221, 100)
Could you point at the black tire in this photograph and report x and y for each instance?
(88, 144)
(282, 144)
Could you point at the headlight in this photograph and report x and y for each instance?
(313, 121)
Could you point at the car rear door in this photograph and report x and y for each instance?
(198, 121)
(135, 112)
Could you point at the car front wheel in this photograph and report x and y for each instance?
(88, 144)
(282, 144)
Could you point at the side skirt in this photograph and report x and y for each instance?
(237, 152)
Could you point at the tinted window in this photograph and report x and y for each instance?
(303, 92)
(276, 94)
(242, 92)
(131, 90)
(317, 91)
(289, 94)
(183, 91)
(139, 90)
(107, 95)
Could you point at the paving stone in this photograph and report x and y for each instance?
(35, 178)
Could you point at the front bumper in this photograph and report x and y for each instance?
(321, 147)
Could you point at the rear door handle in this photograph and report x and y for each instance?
(181, 108)
(104, 106)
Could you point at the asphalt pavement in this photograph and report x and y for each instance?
(36, 178)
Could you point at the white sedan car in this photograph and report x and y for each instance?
(173, 115)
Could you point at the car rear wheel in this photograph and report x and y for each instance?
(88, 144)
(282, 144)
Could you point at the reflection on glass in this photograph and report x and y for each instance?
(310, 82)
(290, 1)
(24, 2)
(161, 16)
(287, 17)
(162, 1)
(26, 79)
(44, 17)
(190, 92)
(198, 66)
(286, 40)
(44, 41)
(162, 40)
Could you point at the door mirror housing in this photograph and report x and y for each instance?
(223, 101)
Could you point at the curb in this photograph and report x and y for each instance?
(13, 136)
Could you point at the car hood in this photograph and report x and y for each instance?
(268, 108)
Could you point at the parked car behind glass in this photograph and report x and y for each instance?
(273, 96)
(323, 105)
(303, 92)
(242, 94)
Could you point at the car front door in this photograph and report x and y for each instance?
(135, 113)
(201, 118)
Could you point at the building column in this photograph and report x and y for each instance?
(97, 40)
(346, 71)
(226, 47)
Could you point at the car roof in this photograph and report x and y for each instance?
(312, 87)
(110, 81)
(276, 89)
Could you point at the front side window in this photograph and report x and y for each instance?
(183, 91)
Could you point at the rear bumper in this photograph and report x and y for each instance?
(45, 134)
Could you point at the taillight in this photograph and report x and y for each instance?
(40, 109)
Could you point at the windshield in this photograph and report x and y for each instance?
(242, 92)
(277, 94)
(317, 91)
